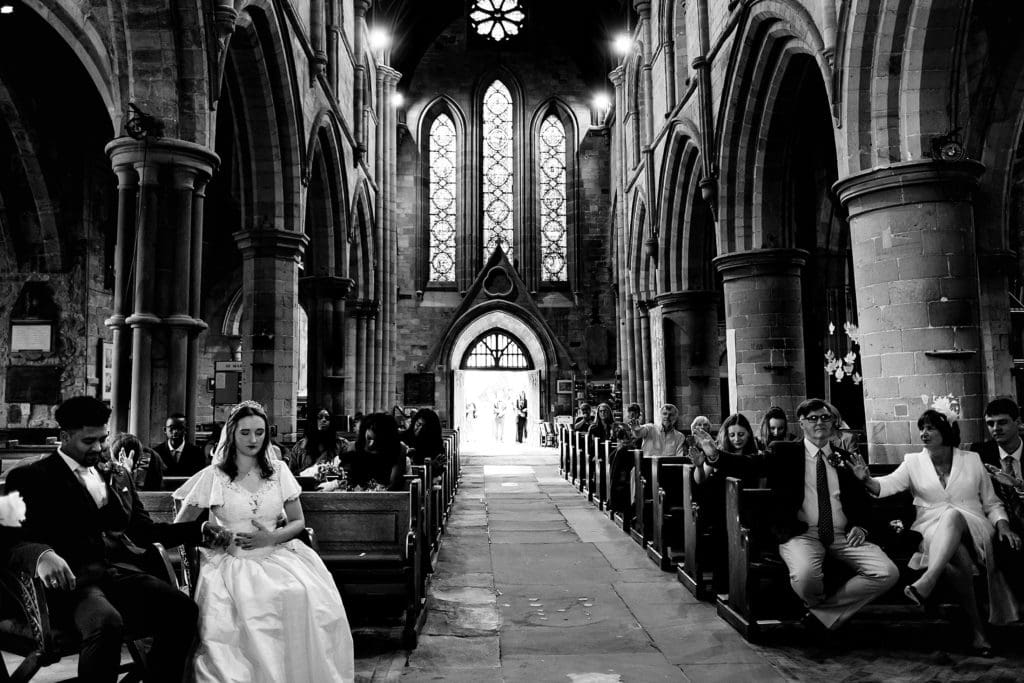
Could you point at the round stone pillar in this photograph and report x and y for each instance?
(157, 279)
(691, 352)
(912, 231)
(270, 275)
(764, 329)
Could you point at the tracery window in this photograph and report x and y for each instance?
(497, 169)
(497, 351)
(443, 195)
(497, 19)
(551, 176)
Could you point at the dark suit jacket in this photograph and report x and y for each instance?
(989, 452)
(192, 460)
(62, 516)
(785, 474)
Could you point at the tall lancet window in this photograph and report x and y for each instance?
(497, 169)
(443, 194)
(551, 174)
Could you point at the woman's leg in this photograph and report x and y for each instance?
(960, 576)
(949, 534)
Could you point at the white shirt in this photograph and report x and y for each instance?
(657, 442)
(176, 452)
(1016, 455)
(94, 484)
(809, 512)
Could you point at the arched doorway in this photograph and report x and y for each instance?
(496, 361)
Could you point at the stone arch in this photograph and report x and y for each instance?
(776, 32)
(261, 85)
(326, 220)
(362, 253)
(633, 116)
(505, 320)
(672, 22)
(641, 276)
(80, 34)
(685, 221)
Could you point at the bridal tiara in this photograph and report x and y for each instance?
(255, 405)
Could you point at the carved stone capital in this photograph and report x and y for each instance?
(758, 262)
(279, 244)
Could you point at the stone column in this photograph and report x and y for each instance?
(692, 351)
(387, 79)
(325, 384)
(763, 312)
(166, 278)
(912, 231)
(616, 76)
(127, 196)
(644, 342)
(270, 273)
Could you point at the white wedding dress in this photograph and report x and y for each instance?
(267, 615)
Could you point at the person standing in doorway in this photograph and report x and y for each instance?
(521, 417)
(499, 419)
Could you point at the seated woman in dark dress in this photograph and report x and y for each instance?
(604, 428)
(379, 458)
(734, 455)
(423, 438)
(320, 445)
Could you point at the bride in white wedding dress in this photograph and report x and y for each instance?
(269, 609)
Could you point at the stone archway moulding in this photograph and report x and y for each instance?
(505, 321)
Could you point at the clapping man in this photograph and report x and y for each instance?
(819, 509)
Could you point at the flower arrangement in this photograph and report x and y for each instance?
(329, 471)
(847, 366)
(12, 509)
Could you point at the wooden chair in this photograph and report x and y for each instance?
(27, 628)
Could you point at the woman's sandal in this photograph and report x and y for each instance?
(914, 596)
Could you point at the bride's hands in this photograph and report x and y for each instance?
(261, 538)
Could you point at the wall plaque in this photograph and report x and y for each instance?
(419, 389)
(31, 337)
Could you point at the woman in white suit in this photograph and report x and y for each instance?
(958, 516)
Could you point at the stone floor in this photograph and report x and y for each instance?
(534, 584)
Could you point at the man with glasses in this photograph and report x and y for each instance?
(819, 509)
(180, 458)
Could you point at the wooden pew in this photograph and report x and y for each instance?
(643, 499)
(760, 597)
(373, 539)
(606, 474)
(12, 456)
(693, 571)
(665, 546)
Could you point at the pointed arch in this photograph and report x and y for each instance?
(326, 221)
(774, 34)
(362, 255)
(686, 226)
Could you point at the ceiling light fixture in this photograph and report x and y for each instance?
(602, 102)
(6, 8)
(622, 44)
(379, 38)
(398, 99)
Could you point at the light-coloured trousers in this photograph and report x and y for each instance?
(805, 557)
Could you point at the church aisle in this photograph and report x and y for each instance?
(534, 584)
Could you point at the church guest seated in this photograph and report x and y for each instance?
(319, 446)
(423, 439)
(844, 437)
(774, 427)
(144, 463)
(211, 443)
(180, 458)
(585, 418)
(604, 428)
(623, 462)
(734, 455)
(379, 459)
(958, 516)
(701, 422)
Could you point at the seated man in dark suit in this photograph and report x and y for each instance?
(819, 508)
(79, 537)
(1002, 456)
(181, 459)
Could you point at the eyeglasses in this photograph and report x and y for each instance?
(818, 418)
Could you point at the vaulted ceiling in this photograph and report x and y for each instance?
(586, 27)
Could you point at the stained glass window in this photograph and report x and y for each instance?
(497, 351)
(497, 19)
(442, 199)
(497, 169)
(551, 174)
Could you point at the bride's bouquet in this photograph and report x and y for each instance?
(12, 509)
